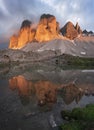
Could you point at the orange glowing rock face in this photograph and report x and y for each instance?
(46, 30)
(32, 35)
(13, 42)
(25, 35)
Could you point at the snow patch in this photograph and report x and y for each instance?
(90, 71)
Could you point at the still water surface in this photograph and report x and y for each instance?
(32, 96)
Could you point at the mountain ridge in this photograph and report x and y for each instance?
(47, 29)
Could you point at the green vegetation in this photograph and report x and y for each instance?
(86, 113)
(76, 62)
(79, 118)
(78, 125)
(3, 65)
(72, 126)
(81, 61)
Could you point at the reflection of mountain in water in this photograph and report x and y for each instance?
(44, 92)
(70, 93)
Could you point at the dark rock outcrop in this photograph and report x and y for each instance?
(26, 23)
(77, 27)
(85, 32)
(70, 31)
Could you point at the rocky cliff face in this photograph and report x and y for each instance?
(47, 29)
(70, 31)
(13, 42)
(25, 35)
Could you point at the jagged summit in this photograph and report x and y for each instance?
(77, 27)
(70, 31)
(85, 32)
(47, 28)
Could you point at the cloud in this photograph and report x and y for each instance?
(13, 12)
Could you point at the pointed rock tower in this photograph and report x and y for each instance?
(47, 28)
(25, 35)
(70, 31)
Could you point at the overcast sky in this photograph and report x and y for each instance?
(13, 12)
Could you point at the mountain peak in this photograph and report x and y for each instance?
(26, 23)
(70, 31)
(46, 16)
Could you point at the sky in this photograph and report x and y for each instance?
(13, 12)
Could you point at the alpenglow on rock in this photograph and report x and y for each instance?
(47, 29)
(13, 42)
(25, 35)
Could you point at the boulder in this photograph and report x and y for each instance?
(47, 28)
(69, 31)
